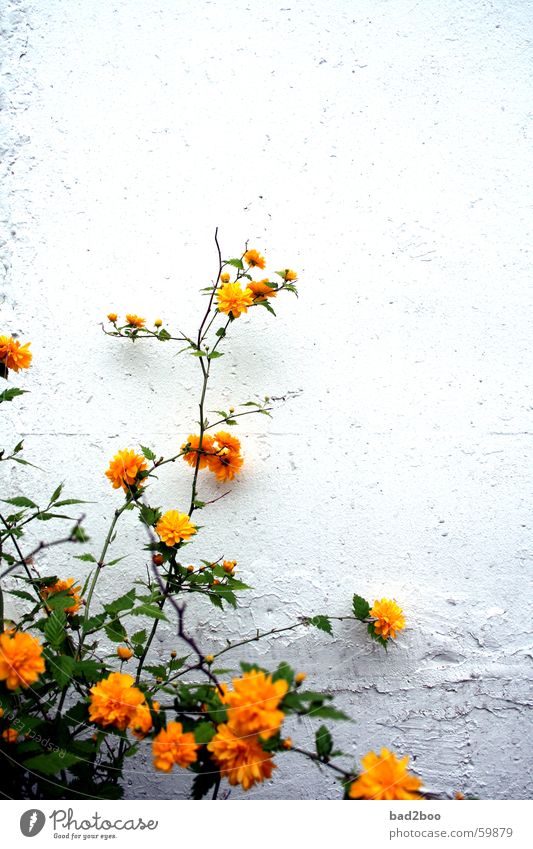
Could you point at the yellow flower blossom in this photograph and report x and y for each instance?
(174, 746)
(385, 778)
(231, 298)
(389, 618)
(252, 706)
(21, 660)
(174, 527)
(241, 760)
(254, 259)
(124, 469)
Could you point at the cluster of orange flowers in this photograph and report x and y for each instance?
(132, 320)
(116, 701)
(13, 355)
(21, 659)
(220, 453)
(67, 587)
(232, 298)
(253, 715)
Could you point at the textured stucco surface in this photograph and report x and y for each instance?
(382, 149)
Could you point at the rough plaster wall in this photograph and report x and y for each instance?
(382, 149)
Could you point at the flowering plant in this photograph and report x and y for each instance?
(79, 690)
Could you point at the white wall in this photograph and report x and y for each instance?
(382, 149)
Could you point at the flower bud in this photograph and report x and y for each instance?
(299, 678)
(158, 322)
(124, 652)
(112, 316)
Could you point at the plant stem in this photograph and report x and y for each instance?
(97, 572)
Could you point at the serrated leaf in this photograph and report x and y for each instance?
(236, 263)
(88, 558)
(9, 394)
(66, 501)
(148, 610)
(324, 742)
(61, 667)
(148, 453)
(56, 493)
(125, 602)
(139, 636)
(323, 623)
(360, 607)
(163, 336)
(214, 355)
(20, 501)
(52, 762)
(54, 629)
(326, 712)
(115, 631)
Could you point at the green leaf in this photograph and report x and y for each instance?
(157, 671)
(56, 494)
(91, 670)
(20, 501)
(214, 355)
(204, 732)
(324, 742)
(61, 667)
(284, 672)
(361, 607)
(266, 305)
(70, 501)
(148, 610)
(9, 394)
(323, 623)
(116, 631)
(377, 637)
(54, 629)
(221, 332)
(139, 636)
(148, 453)
(52, 762)
(236, 263)
(326, 712)
(163, 336)
(125, 602)
(88, 558)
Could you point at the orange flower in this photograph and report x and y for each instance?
(174, 746)
(192, 455)
(135, 320)
(229, 566)
(254, 259)
(10, 735)
(173, 527)
(71, 590)
(385, 778)
(261, 290)
(142, 723)
(124, 469)
(115, 701)
(253, 704)
(227, 460)
(14, 355)
(241, 761)
(289, 275)
(389, 618)
(231, 298)
(112, 316)
(21, 660)
(124, 652)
